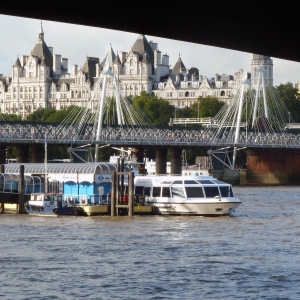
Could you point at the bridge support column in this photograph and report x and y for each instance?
(2, 170)
(273, 166)
(161, 160)
(176, 164)
(139, 156)
(22, 153)
(3, 154)
(37, 153)
(217, 168)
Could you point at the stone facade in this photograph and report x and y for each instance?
(42, 79)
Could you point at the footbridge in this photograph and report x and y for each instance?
(254, 118)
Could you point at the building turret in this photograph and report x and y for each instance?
(179, 67)
(17, 69)
(267, 63)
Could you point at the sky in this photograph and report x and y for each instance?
(18, 36)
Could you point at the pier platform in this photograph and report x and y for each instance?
(99, 210)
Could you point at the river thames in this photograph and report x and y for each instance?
(253, 254)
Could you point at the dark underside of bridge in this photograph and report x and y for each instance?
(262, 27)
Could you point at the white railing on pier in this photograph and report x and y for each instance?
(203, 121)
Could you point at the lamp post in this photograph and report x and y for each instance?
(289, 118)
(198, 109)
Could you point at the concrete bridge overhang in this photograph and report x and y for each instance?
(255, 26)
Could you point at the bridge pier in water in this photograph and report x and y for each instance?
(176, 163)
(161, 160)
(273, 166)
(139, 155)
(22, 153)
(2, 170)
(37, 153)
(2, 154)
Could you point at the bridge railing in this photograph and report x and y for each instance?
(131, 136)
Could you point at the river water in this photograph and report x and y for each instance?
(253, 254)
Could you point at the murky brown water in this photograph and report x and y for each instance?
(254, 254)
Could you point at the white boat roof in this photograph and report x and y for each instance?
(171, 179)
(64, 168)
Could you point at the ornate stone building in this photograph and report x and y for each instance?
(42, 79)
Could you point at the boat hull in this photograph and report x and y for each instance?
(46, 208)
(197, 209)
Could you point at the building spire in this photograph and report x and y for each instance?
(41, 32)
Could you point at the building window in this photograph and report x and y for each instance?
(222, 93)
(187, 94)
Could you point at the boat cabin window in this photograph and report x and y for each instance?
(177, 192)
(226, 191)
(166, 192)
(139, 190)
(211, 191)
(47, 198)
(147, 191)
(194, 192)
(190, 182)
(205, 181)
(166, 182)
(177, 182)
(156, 191)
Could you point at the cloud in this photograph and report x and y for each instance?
(75, 42)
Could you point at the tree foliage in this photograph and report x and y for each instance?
(208, 107)
(41, 114)
(290, 97)
(12, 117)
(157, 109)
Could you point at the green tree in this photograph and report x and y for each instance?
(59, 115)
(208, 107)
(185, 112)
(289, 95)
(157, 109)
(41, 114)
(12, 117)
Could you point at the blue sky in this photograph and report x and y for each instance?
(19, 35)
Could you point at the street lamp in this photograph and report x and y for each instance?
(198, 109)
(289, 118)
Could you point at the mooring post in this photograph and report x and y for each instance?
(121, 179)
(118, 185)
(21, 190)
(113, 194)
(2, 170)
(130, 194)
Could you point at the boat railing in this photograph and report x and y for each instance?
(75, 200)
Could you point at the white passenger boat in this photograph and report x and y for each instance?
(186, 195)
(46, 204)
